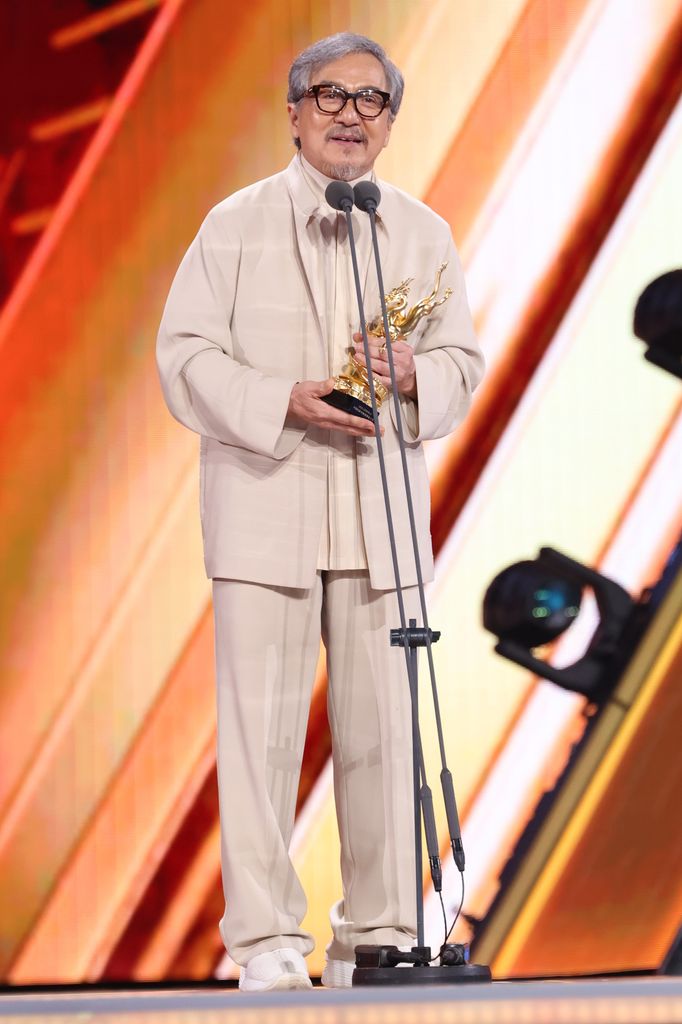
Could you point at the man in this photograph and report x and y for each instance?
(259, 319)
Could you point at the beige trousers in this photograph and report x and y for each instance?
(267, 645)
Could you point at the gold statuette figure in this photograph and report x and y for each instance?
(351, 390)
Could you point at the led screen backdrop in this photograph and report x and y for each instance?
(549, 134)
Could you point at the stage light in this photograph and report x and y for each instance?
(533, 602)
(529, 605)
(658, 321)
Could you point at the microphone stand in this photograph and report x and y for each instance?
(377, 964)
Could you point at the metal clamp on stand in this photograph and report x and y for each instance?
(417, 636)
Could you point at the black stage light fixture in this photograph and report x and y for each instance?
(529, 605)
(658, 321)
(533, 602)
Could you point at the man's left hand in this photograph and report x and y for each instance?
(403, 363)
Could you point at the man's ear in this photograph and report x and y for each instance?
(388, 133)
(292, 110)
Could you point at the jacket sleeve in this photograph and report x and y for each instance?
(448, 362)
(205, 387)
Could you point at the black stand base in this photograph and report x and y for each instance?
(467, 974)
(387, 965)
(348, 403)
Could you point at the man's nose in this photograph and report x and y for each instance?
(348, 115)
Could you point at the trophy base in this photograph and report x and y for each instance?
(348, 403)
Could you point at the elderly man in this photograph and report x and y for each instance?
(259, 320)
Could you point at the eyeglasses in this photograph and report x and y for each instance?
(331, 99)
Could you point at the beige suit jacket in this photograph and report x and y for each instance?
(243, 323)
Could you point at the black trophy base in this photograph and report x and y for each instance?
(348, 403)
(387, 965)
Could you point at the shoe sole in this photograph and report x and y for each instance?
(337, 977)
(285, 983)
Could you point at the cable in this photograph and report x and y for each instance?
(448, 931)
(459, 910)
(445, 920)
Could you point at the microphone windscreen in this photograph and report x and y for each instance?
(367, 196)
(339, 195)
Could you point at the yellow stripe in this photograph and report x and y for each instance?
(103, 21)
(73, 120)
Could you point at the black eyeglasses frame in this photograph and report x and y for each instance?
(314, 90)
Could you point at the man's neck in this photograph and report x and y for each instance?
(322, 179)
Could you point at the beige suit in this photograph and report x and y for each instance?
(246, 318)
(243, 323)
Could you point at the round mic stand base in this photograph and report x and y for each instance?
(387, 965)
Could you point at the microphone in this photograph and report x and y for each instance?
(367, 196)
(339, 195)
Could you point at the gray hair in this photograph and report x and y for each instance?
(324, 51)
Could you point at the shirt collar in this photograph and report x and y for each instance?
(317, 184)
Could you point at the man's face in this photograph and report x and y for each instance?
(343, 145)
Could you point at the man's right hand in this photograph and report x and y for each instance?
(306, 406)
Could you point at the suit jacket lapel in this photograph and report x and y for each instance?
(302, 206)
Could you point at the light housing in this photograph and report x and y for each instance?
(658, 321)
(533, 602)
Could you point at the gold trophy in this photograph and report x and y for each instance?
(351, 390)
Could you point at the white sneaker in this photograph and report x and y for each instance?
(279, 969)
(338, 973)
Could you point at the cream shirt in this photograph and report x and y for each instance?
(342, 544)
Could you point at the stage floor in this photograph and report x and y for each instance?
(612, 1001)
